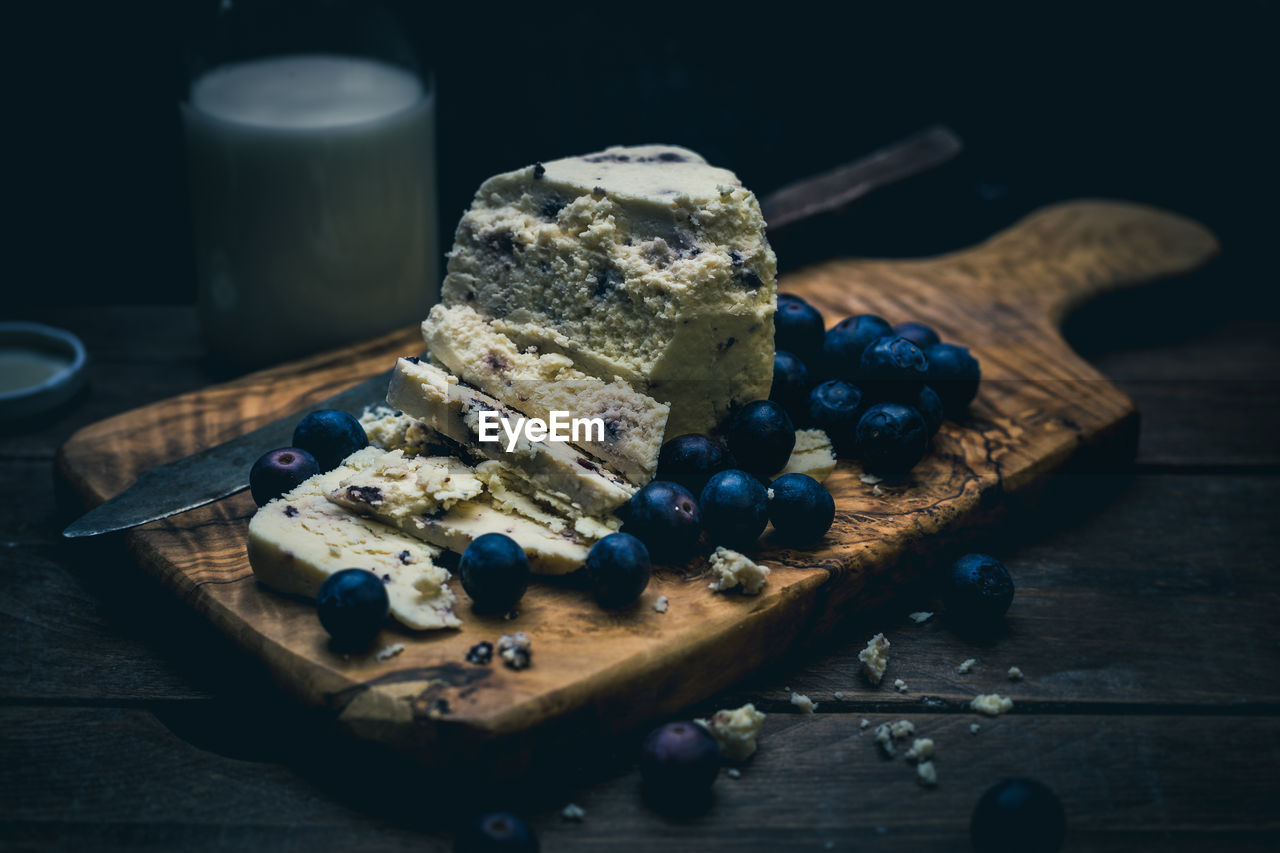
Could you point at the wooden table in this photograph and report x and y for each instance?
(1145, 623)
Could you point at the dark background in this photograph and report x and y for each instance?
(1171, 105)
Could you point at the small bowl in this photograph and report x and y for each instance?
(40, 369)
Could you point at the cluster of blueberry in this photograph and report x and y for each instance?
(735, 499)
(320, 442)
(879, 391)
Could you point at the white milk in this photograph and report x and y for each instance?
(313, 192)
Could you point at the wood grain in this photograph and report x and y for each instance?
(1039, 405)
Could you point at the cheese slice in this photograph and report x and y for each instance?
(439, 400)
(537, 384)
(296, 541)
(643, 263)
(812, 455)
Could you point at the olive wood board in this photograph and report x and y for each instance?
(1039, 404)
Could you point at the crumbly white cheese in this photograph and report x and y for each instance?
(991, 704)
(516, 650)
(643, 263)
(804, 703)
(927, 774)
(538, 383)
(736, 570)
(900, 685)
(920, 616)
(736, 730)
(864, 723)
(453, 409)
(511, 491)
(921, 749)
(389, 429)
(400, 486)
(871, 479)
(974, 728)
(733, 773)
(838, 695)
(875, 658)
(296, 541)
(812, 455)
(574, 812)
(388, 652)
(1015, 674)
(966, 666)
(661, 604)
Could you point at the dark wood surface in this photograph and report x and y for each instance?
(1039, 407)
(1145, 622)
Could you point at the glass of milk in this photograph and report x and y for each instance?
(313, 197)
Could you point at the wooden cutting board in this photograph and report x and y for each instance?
(1039, 404)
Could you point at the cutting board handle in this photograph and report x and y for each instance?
(1061, 256)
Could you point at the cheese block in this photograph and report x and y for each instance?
(812, 455)
(643, 263)
(538, 383)
(299, 539)
(549, 553)
(439, 400)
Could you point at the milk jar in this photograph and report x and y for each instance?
(313, 198)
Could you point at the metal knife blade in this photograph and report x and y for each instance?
(211, 474)
(223, 470)
(836, 188)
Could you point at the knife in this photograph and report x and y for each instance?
(211, 474)
(220, 471)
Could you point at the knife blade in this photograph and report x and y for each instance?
(220, 471)
(834, 189)
(211, 474)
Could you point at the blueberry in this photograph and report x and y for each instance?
(618, 567)
(893, 369)
(977, 590)
(665, 517)
(891, 438)
(954, 374)
(495, 572)
(761, 436)
(835, 407)
(496, 832)
(929, 405)
(798, 327)
(353, 605)
(330, 435)
(691, 459)
(735, 509)
(1018, 816)
(790, 382)
(679, 758)
(919, 334)
(278, 471)
(801, 509)
(844, 343)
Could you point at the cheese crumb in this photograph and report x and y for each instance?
(920, 750)
(516, 650)
(991, 704)
(874, 658)
(966, 667)
(920, 616)
(736, 731)
(733, 773)
(927, 775)
(573, 812)
(1015, 674)
(900, 685)
(390, 651)
(871, 479)
(838, 695)
(736, 570)
(804, 703)
(887, 733)
(661, 604)
(974, 728)
(864, 724)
